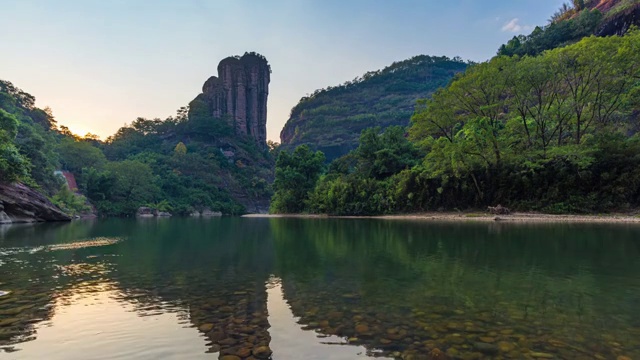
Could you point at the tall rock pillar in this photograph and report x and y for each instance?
(240, 93)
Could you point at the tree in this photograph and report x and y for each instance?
(13, 165)
(180, 149)
(77, 154)
(296, 176)
(133, 185)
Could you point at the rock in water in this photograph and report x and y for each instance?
(144, 212)
(21, 204)
(262, 352)
(4, 293)
(208, 213)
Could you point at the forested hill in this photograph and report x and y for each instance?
(332, 119)
(574, 21)
(556, 132)
(200, 159)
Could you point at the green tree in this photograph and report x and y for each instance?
(296, 175)
(13, 165)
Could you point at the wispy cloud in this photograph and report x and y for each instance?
(514, 26)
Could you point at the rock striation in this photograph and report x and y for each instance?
(21, 204)
(239, 94)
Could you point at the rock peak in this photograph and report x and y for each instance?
(239, 94)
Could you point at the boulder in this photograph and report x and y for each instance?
(21, 204)
(498, 210)
(209, 213)
(145, 212)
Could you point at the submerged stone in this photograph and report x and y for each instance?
(489, 349)
(262, 352)
(205, 327)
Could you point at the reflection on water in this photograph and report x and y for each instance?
(318, 289)
(290, 340)
(93, 323)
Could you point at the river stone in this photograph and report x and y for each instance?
(362, 328)
(4, 293)
(244, 352)
(485, 348)
(453, 353)
(227, 341)
(216, 335)
(487, 339)
(230, 357)
(205, 327)
(540, 355)
(436, 354)
(262, 352)
(505, 346)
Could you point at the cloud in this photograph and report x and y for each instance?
(514, 26)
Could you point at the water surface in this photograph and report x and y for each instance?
(318, 289)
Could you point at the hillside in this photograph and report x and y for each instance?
(211, 155)
(554, 131)
(332, 119)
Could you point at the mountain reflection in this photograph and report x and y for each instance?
(385, 288)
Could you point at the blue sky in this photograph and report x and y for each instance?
(100, 64)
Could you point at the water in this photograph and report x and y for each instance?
(318, 289)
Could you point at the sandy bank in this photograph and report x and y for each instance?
(478, 216)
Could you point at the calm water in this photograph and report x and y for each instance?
(318, 289)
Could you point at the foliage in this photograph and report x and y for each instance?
(561, 31)
(557, 132)
(331, 119)
(70, 202)
(13, 165)
(179, 162)
(296, 175)
(363, 181)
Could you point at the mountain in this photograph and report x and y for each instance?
(332, 119)
(550, 125)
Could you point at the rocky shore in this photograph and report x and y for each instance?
(21, 204)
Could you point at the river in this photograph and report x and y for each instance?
(254, 288)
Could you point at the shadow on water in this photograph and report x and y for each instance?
(386, 288)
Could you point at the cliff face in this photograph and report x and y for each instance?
(20, 204)
(621, 22)
(239, 95)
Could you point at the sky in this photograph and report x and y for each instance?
(101, 64)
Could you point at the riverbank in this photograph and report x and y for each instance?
(479, 217)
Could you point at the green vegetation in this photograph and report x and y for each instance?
(296, 175)
(574, 21)
(186, 163)
(555, 132)
(70, 202)
(330, 119)
(26, 140)
(556, 34)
